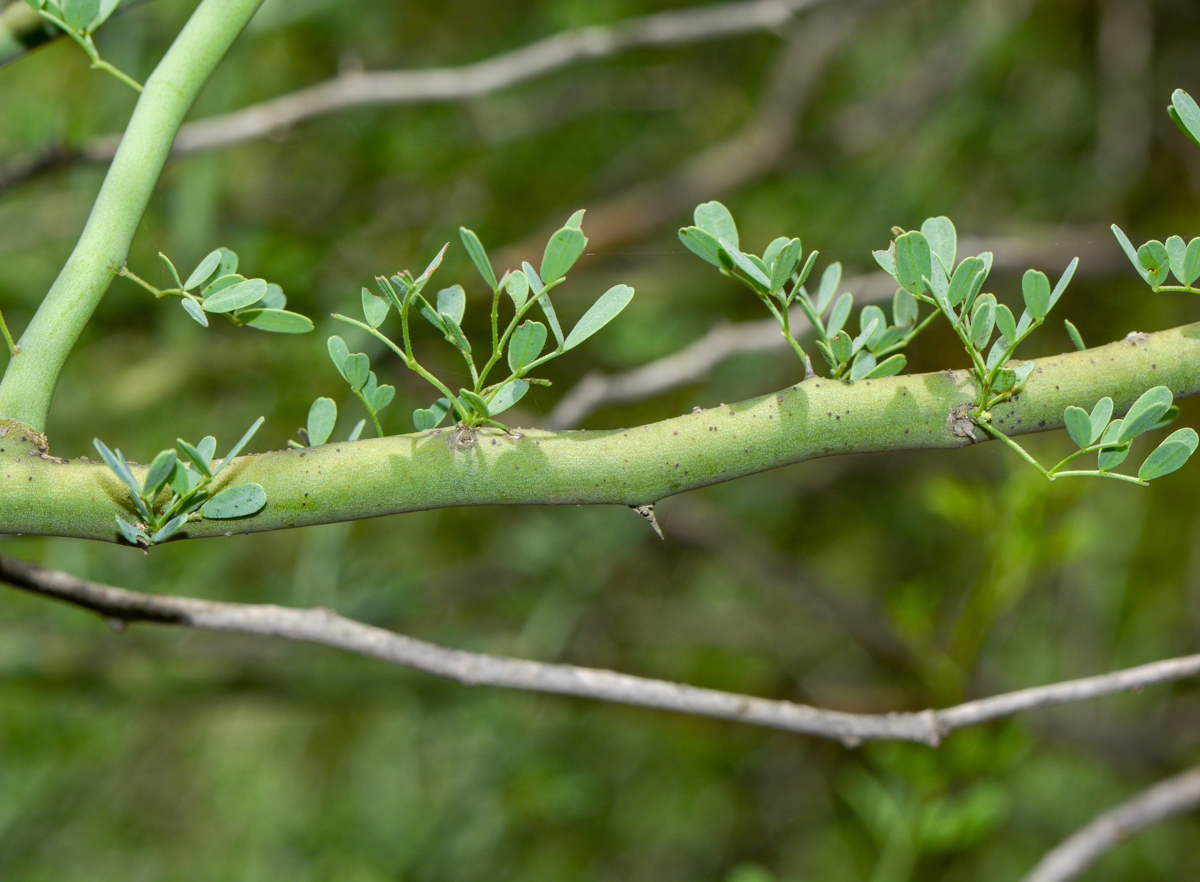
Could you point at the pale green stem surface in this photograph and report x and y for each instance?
(819, 417)
(33, 372)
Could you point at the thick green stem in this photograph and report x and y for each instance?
(819, 417)
(33, 372)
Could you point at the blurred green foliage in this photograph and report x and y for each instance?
(871, 583)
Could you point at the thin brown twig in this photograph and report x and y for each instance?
(120, 606)
(1168, 798)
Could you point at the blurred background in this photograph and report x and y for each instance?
(874, 583)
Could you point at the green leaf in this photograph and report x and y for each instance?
(1131, 253)
(715, 219)
(1170, 455)
(889, 367)
(120, 468)
(967, 282)
(1006, 323)
(507, 395)
(239, 501)
(387, 290)
(452, 302)
(830, 279)
(773, 250)
(357, 432)
(518, 288)
(913, 261)
(861, 340)
(181, 480)
(192, 308)
(603, 311)
(430, 314)
(842, 346)
(276, 321)
(321, 419)
(1035, 288)
(1111, 458)
(904, 308)
(133, 535)
(743, 263)
(338, 352)
(839, 314)
(701, 243)
(229, 262)
(864, 363)
(237, 448)
(473, 401)
(220, 283)
(169, 529)
(202, 461)
(156, 476)
(207, 447)
(802, 275)
(1154, 258)
(355, 369)
(983, 320)
(203, 270)
(420, 281)
(432, 416)
(562, 251)
(1186, 114)
(1079, 426)
(107, 7)
(1076, 338)
(1063, 281)
(1145, 412)
(236, 296)
(536, 285)
(943, 241)
(784, 264)
(552, 319)
(383, 397)
(525, 344)
(1176, 253)
(171, 270)
(1166, 419)
(872, 314)
(273, 299)
(887, 260)
(375, 308)
(1099, 417)
(1191, 262)
(78, 14)
(478, 256)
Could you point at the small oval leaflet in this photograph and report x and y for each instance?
(236, 296)
(1170, 455)
(508, 395)
(205, 269)
(715, 219)
(602, 312)
(277, 321)
(192, 308)
(525, 344)
(321, 418)
(235, 502)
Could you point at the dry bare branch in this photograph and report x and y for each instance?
(356, 88)
(120, 607)
(1164, 800)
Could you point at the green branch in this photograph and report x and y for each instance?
(819, 417)
(32, 373)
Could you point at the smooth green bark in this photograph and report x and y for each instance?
(820, 417)
(33, 372)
